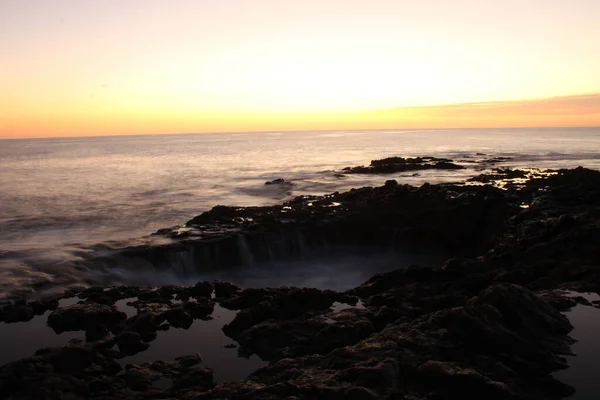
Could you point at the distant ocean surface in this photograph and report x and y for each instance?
(61, 197)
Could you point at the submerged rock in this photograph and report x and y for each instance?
(280, 182)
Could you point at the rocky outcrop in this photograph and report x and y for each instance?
(82, 316)
(400, 164)
(67, 371)
(392, 217)
(483, 349)
(286, 322)
(80, 372)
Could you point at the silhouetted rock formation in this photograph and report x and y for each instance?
(400, 164)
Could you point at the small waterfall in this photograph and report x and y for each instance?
(244, 250)
(189, 258)
(182, 262)
(268, 245)
(301, 246)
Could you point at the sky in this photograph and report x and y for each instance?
(83, 67)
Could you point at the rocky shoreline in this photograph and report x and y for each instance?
(486, 323)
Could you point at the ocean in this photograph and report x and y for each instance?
(62, 198)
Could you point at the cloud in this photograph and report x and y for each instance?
(564, 105)
(579, 110)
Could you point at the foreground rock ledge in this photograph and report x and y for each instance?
(488, 325)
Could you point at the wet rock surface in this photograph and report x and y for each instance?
(487, 323)
(84, 315)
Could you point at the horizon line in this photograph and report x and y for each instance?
(109, 135)
(546, 112)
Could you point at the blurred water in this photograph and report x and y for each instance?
(59, 195)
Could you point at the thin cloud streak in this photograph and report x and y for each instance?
(577, 110)
(564, 105)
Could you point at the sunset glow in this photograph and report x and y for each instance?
(93, 68)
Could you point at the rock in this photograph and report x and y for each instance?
(285, 304)
(196, 378)
(95, 333)
(188, 361)
(201, 309)
(16, 313)
(295, 322)
(41, 306)
(472, 350)
(130, 343)
(139, 378)
(432, 369)
(400, 164)
(447, 165)
(225, 289)
(145, 323)
(280, 182)
(361, 393)
(179, 317)
(82, 316)
(55, 371)
(201, 289)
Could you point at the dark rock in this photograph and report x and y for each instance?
(250, 297)
(481, 349)
(130, 343)
(200, 309)
(197, 378)
(82, 316)
(139, 378)
(16, 313)
(41, 306)
(179, 317)
(294, 322)
(95, 333)
(279, 181)
(148, 336)
(54, 371)
(400, 164)
(145, 322)
(201, 289)
(286, 304)
(188, 361)
(225, 289)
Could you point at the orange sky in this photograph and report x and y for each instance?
(71, 67)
